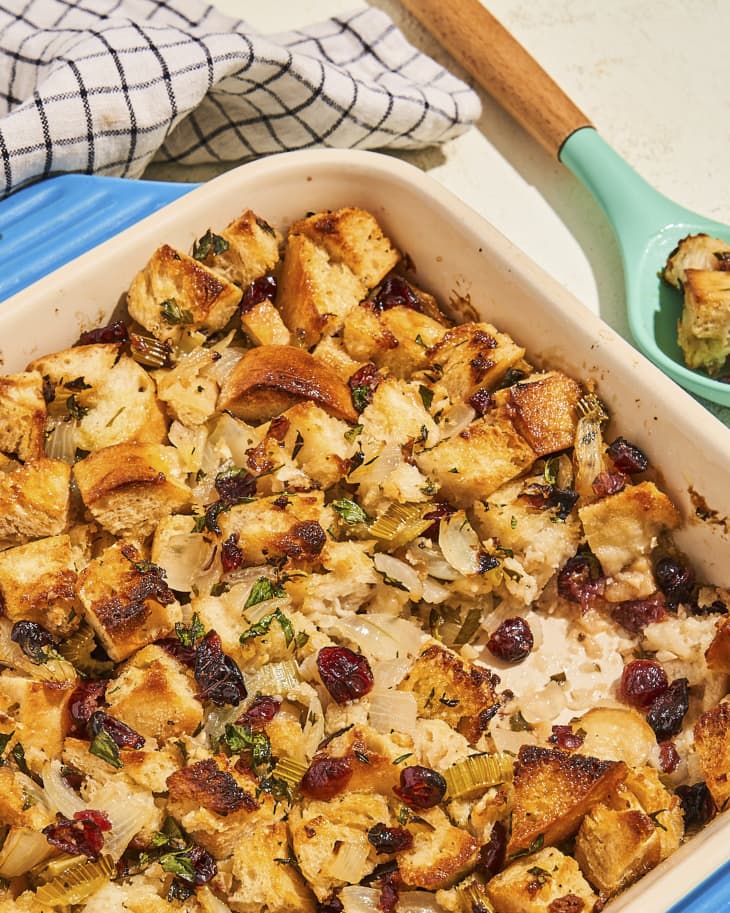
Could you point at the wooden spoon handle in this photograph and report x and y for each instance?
(503, 67)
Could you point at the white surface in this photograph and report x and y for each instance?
(653, 76)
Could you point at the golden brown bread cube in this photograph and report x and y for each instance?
(331, 352)
(543, 409)
(34, 500)
(553, 790)
(270, 379)
(173, 710)
(448, 688)
(15, 809)
(127, 605)
(263, 323)
(696, 252)
(477, 461)
(314, 293)
(320, 443)
(175, 292)
(440, 854)
(353, 237)
(252, 250)
(42, 714)
(663, 807)
(370, 757)
(283, 526)
(718, 653)
(38, 583)
(128, 488)
(471, 357)
(704, 328)
(90, 363)
(621, 529)
(712, 744)
(22, 415)
(544, 882)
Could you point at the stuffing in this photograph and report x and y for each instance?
(700, 252)
(704, 328)
(250, 248)
(22, 415)
(34, 501)
(395, 416)
(440, 855)
(543, 882)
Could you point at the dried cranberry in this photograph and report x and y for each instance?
(581, 580)
(566, 738)
(181, 652)
(363, 384)
(512, 641)
(331, 904)
(420, 787)
(388, 899)
(204, 865)
(218, 676)
(114, 332)
(635, 614)
(345, 674)
(697, 804)
(32, 639)
(492, 854)
(667, 711)
(86, 698)
(548, 497)
(608, 483)
(122, 735)
(326, 777)
(395, 292)
(81, 836)
(278, 429)
(234, 486)
(231, 553)
(262, 710)
(389, 839)
(642, 681)
(675, 579)
(261, 289)
(627, 457)
(668, 757)
(481, 401)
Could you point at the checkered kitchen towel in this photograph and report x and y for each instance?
(106, 85)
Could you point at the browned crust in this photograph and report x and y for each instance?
(270, 379)
(718, 653)
(544, 411)
(201, 283)
(204, 783)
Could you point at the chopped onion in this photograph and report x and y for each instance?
(61, 442)
(356, 899)
(393, 710)
(347, 863)
(402, 573)
(185, 557)
(190, 444)
(23, 848)
(313, 730)
(433, 592)
(380, 636)
(390, 672)
(418, 902)
(455, 419)
(589, 450)
(377, 465)
(273, 678)
(434, 562)
(220, 369)
(460, 544)
(218, 719)
(236, 435)
(129, 810)
(59, 794)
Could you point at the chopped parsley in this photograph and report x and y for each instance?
(210, 243)
(172, 313)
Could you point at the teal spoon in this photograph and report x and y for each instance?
(648, 226)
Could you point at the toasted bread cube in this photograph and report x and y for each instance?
(173, 292)
(263, 880)
(718, 653)
(696, 252)
(270, 379)
(371, 757)
(544, 882)
(154, 695)
(127, 606)
(396, 415)
(448, 688)
(314, 293)
(189, 393)
(42, 714)
(263, 323)
(15, 809)
(38, 583)
(621, 529)
(471, 357)
(90, 363)
(290, 526)
(253, 249)
(321, 829)
(320, 443)
(438, 857)
(712, 744)
(663, 807)
(34, 500)
(22, 415)
(543, 409)
(331, 352)
(477, 461)
(553, 790)
(353, 237)
(704, 328)
(129, 488)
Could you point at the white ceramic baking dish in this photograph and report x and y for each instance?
(459, 257)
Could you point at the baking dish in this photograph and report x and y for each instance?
(464, 261)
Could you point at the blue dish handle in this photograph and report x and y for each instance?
(49, 223)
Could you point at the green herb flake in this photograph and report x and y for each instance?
(550, 472)
(242, 738)
(5, 738)
(263, 625)
(350, 512)
(74, 408)
(300, 639)
(513, 522)
(103, 746)
(178, 864)
(419, 340)
(360, 397)
(469, 628)
(188, 636)
(209, 243)
(559, 677)
(426, 396)
(173, 314)
(262, 590)
(517, 723)
(362, 757)
(353, 433)
(298, 444)
(403, 757)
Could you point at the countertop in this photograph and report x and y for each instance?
(652, 75)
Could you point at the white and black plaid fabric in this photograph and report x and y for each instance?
(106, 85)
